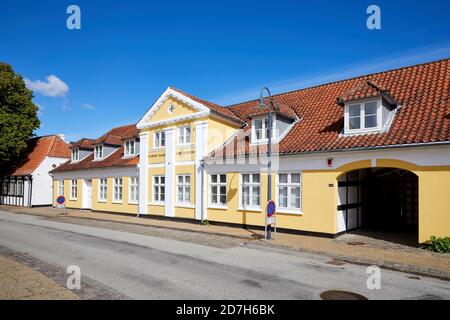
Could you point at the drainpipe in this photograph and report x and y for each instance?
(202, 208)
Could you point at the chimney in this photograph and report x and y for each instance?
(62, 136)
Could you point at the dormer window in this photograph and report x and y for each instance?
(260, 129)
(363, 117)
(98, 152)
(130, 148)
(75, 155)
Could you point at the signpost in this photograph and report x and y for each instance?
(271, 219)
(61, 203)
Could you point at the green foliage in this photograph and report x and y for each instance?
(440, 245)
(18, 116)
(205, 223)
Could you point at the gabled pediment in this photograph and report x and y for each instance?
(172, 106)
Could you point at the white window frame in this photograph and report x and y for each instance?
(156, 189)
(60, 188)
(73, 189)
(133, 190)
(217, 184)
(130, 145)
(264, 138)
(363, 129)
(186, 189)
(251, 184)
(289, 184)
(75, 154)
(182, 135)
(157, 139)
(118, 190)
(102, 189)
(98, 152)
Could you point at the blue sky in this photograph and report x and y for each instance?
(128, 52)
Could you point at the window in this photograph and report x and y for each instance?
(183, 189)
(261, 129)
(218, 190)
(184, 135)
(159, 188)
(134, 190)
(73, 190)
(362, 117)
(98, 154)
(20, 188)
(160, 139)
(75, 155)
(61, 188)
(12, 188)
(130, 148)
(102, 189)
(117, 190)
(251, 190)
(289, 190)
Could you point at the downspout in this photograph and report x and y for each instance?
(202, 207)
(30, 189)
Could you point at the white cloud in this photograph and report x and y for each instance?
(88, 106)
(52, 87)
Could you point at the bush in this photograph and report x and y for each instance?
(440, 245)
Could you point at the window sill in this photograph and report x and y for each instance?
(158, 149)
(117, 202)
(251, 209)
(296, 212)
(133, 202)
(102, 201)
(185, 145)
(73, 199)
(217, 207)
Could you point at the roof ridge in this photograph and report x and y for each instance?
(343, 80)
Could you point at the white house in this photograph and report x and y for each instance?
(30, 183)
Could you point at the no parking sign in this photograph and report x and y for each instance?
(271, 210)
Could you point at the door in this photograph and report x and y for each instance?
(89, 194)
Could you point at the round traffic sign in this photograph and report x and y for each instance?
(271, 208)
(60, 200)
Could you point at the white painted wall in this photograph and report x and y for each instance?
(42, 192)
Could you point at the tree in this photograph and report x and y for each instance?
(18, 117)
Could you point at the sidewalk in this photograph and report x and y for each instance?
(372, 252)
(18, 282)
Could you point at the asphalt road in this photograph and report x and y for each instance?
(145, 267)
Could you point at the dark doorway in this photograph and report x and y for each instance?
(379, 201)
(390, 200)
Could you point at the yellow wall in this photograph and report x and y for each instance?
(76, 204)
(110, 205)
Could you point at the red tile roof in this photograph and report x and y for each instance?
(83, 143)
(224, 112)
(116, 135)
(115, 159)
(423, 116)
(39, 149)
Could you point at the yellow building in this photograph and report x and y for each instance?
(369, 152)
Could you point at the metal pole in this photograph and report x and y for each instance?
(269, 168)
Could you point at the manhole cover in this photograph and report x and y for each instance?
(341, 295)
(336, 262)
(356, 243)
